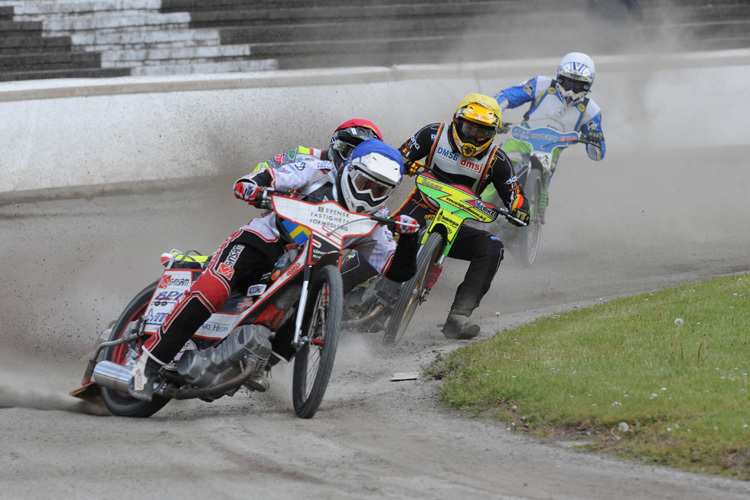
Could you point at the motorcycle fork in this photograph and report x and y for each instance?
(297, 341)
(432, 278)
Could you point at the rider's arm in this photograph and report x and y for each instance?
(403, 266)
(507, 186)
(289, 177)
(291, 156)
(418, 146)
(517, 95)
(592, 121)
(396, 261)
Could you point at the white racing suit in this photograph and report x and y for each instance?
(548, 109)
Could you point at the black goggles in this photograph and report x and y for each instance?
(344, 148)
(479, 133)
(576, 86)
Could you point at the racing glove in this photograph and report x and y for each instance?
(519, 214)
(406, 224)
(412, 169)
(247, 191)
(595, 136)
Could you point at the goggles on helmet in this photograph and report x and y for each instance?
(479, 134)
(576, 86)
(344, 148)
(364, 184)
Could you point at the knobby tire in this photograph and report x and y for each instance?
(121, 403)
(313, 362)
(411, 291)
(528, 244)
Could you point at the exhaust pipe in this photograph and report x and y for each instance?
(112, 375)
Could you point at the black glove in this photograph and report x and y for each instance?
(595, 136)
(504, 128)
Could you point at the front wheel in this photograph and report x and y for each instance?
(121, 403)
(313, 362)
(413, 291)
(527, 244)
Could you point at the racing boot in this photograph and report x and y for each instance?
(459, 326)
(142, 376)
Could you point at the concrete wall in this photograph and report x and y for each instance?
(69, 134)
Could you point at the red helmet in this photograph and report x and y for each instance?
(347, 136)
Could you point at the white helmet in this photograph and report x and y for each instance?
(369, 175)
(575, 76)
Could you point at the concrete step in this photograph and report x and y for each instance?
(25, 44)
(8, 28)
(204, 67)
(49, 61)
(229, 5)
(348, 12)
(129, 58)
(9, 76)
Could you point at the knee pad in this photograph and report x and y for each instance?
(496, 249)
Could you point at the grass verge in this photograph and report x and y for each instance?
(662, 377)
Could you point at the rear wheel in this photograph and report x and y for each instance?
(412, 292)
(121, 403)
(313, 362)
(527, 244)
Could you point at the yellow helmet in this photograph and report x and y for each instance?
(475, 123)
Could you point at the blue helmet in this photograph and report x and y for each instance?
(369, 175)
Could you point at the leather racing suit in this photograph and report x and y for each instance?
(483, 250)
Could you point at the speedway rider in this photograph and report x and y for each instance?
(343, 141)
(361, 184)
(560, 104)
(463, 153)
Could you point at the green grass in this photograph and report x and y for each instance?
(673, 366)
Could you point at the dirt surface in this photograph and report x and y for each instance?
(613, 228)
(640, 220)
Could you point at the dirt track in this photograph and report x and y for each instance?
(614, 228)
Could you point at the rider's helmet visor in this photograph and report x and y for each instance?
(474, 132)
(576, 86)
(364, 184)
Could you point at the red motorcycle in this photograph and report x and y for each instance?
(297, 305)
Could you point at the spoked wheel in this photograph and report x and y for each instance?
(411, 293)
(118, 402)
(313, 361)
(529, 236)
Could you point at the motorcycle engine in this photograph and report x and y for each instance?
(213, 365)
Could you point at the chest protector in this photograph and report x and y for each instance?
(471, 172)
(549, 111)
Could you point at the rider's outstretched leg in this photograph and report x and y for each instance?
(230, 264)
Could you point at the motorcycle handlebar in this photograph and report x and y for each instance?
(392, 223)
(582, 138)
(265, 196)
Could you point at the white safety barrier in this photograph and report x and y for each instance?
(66, 134)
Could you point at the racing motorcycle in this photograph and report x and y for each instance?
(296, 306)
(381, 304)
(533, 153)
